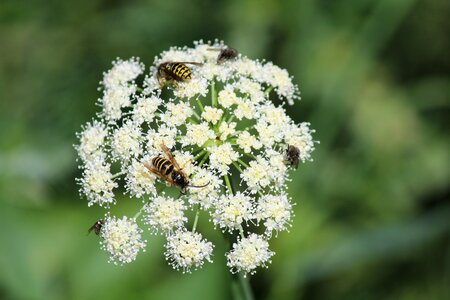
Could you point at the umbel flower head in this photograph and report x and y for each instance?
(201, 123)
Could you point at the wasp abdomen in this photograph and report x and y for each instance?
(181, 70)
(163, 165)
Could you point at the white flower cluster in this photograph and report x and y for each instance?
(249, 253)
(122, 239)
(222, 145)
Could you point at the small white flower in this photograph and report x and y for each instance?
(116, 98)
(97, 183)
(165, 214)
(205, 196)
(176, 54)
(151, 83)
(165, 135)
(145, 108)
(91, 140)
(246, 141)
(191, 88)
(221, 157)
(197, 134)
(140, 181)
(252, 89)
(212, 114)
(268, 134)
(247, 67)
(204, 51)
(227, 97)
(278, 166)
(187, 250)
(211, 70)
(121, 238)
(280, 80)
(248, 254)
(274, 115)
(226, 130)
(300, 137)
(245, 109)
(177, 114)
(275, 211)
(231, 210)
(122, 72)
(185, 160)
(257, 175)
(125, 141)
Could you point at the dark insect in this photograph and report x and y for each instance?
(225, 54)
(174, 71)
(169, 170)
(292, 156)
(97, 227)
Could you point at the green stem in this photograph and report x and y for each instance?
(242, 162)
(158, 191)
(213, 94)
(237, 166)
(241, 231)
(196, 116)
(200, 104)
(250, 155)
(245, 285)
(197, 213)
(236, 289)
(204, 159)
(241, 288)
(139, 212)
(260, 194)
(228, 184)
(200, 154)
(268, 90)
(117, 175)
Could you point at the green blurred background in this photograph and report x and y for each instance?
(373, 211)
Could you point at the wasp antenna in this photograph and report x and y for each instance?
(198, 186)
(214, 49)
(191, 63)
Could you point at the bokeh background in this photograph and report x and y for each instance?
(373, 211)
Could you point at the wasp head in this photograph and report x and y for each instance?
(179, 180)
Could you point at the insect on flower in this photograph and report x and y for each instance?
(97, 227)
(225, 54)
(292, 156)
(174, 71)
(170, 171)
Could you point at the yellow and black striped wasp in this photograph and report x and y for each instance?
(169, 170)
(174, 71)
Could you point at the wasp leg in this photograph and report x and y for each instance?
(162, 83)
(185, 164)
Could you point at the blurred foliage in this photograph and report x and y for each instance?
(373, 211)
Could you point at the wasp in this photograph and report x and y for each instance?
(169, 170)
(97, 227)
(174, 71)
(225, 54)
(292, 156)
